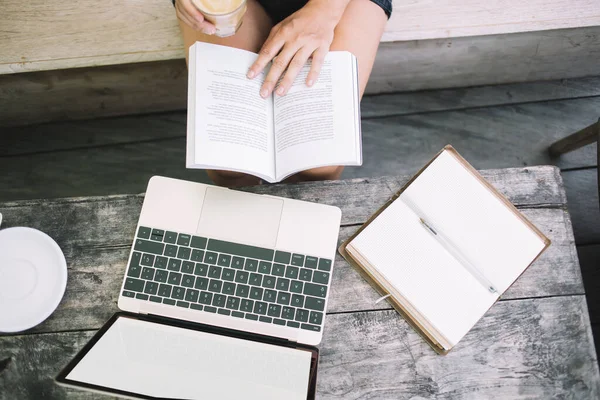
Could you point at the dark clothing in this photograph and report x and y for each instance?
(279, 10)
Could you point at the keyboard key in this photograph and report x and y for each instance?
(144, 232)
(174, 278)
(223, 311)
(205, 298)
(270, 296)
(147, 259)
(324, 264)
(215, 286)
(315, 290)
(237, 249)
(201, 283)
(210, 257)
(198, 242)
(242, 290)
(264, 267)
(161, 262)
(228, 288)
(256, 293)
(278, 270)
(311, 262)
(274, 310)
(283, 284)
(214, 272)
(158, 238)
(135, 269)
(313, 328)
(241, 277)
(170, 237)
(233, 303)
(291, 272)
(201, 269)
(171, 250)
(253, 317)
(165, 290)
(183, 304)
(188, 280)
(228, 274)
(158, 232)
(136, 257)
(314, 303)
(161, 276)
(277, 321)
(183, 239)
(147, 246)
(255, 279)
(246, 305)
(321, 277)
(283, 298)
(174, 264)
(191, 295)
(237, 314)
(148, 273)
(260, 307)
(178, 293)
(251, 265)
(210, 309)
(237, 263)
(265, 319)
(296, 287)
(269, 282)
(224, 260)
(219, 300)
(297, 300)
(169, 302)
(184, 253)
(136, 285)
(288, 312)
(297, 260)
(155, 299)
(196, 307)
(302, 315)
(305, 275)
(316, 317)
(127, 293)
(141, 296)
(283, 257)
(293, 324)
(197, 255)
(187, 267)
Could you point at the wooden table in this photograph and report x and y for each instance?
(535, 343)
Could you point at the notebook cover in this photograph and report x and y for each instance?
(391, 300)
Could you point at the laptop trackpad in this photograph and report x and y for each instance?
(240, 217)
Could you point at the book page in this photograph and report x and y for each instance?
(319, 125)
(233, 125)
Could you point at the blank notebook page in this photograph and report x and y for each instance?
(488, 234)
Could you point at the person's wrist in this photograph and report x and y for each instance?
(335, 7)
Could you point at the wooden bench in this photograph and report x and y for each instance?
(536, 342)
(61, 59)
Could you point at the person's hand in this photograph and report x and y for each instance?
(189, 14)
(306, 33)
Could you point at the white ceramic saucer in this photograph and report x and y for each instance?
(33, 278)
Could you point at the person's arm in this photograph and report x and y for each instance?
(306, 33)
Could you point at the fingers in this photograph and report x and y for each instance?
(293, 69)
(189, 14)
(269, 50)
(279, 65)
(315, 69)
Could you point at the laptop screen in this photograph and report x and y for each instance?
(155, 360)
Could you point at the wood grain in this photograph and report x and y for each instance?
(535, 348)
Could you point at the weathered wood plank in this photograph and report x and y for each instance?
(537, 348)
(584, 205)
(96, 274)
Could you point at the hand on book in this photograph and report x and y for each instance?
(189, 14)
(306, 33)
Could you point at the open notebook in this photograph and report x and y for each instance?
(445, 248)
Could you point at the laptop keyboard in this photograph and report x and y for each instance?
(216, 276)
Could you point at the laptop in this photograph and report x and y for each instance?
(224, 297)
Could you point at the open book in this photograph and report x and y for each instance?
(445, 248)
(230, 127)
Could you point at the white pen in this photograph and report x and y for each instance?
(477, 274)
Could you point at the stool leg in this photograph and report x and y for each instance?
(578, 139)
